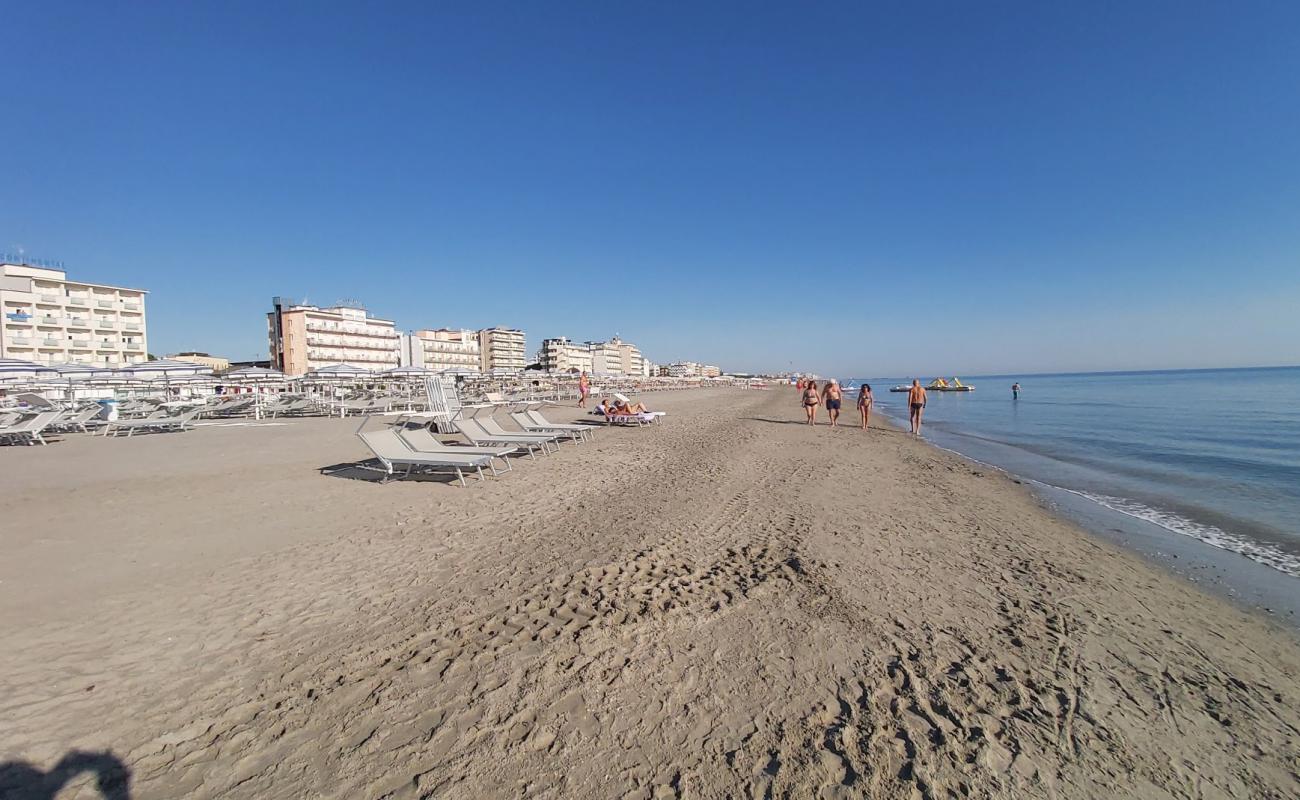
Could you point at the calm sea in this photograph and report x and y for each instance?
(1209, 454)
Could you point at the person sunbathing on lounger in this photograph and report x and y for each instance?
(624, 408)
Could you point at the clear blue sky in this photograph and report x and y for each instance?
(891, 188)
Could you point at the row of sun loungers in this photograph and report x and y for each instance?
(402, 449)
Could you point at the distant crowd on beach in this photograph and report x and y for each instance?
(832, 397)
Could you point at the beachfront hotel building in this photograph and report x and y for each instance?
(443, 349)
(691, 369)
(615, 357)
(502, 349)
(50, 319)
(562, 355)
(215, 363)
(304, 338)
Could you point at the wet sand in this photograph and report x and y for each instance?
(729, 605)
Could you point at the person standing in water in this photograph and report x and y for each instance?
(834, 396)
(1015, 391)
(584, 389)
(864, 404)
(916, 404)
(810, 401)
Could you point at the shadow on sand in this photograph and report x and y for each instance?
(20, 780)
(371, 471)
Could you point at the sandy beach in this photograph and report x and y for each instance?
(729, 604)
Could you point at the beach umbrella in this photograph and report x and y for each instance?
(165, 368)
(407, 372)
(80, 372)
(340, 371)
(16, 369)
(256, 376)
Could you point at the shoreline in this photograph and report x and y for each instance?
(1227, 574)
(725, 603)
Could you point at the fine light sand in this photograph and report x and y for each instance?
(730, 605)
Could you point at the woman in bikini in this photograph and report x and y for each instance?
(864, 405)
(810, 401)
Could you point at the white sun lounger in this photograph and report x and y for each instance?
(471, 429)
(529, 424)
(28, 431)
(176, 423)
(394, 454)
(422, 440)
(540, 420)
(493, 427)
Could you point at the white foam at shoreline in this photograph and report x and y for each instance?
(1286, 563)
(1209, 534)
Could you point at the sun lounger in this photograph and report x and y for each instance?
(471, 429)
(639, 420)
(577, 433)
(535, 421)
(394, 454)
(28, 431)
(494, 428)
(156, 424)
(78, 420)
(422, 440)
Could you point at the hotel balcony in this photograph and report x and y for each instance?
(47, 320)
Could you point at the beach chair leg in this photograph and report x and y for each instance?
(481, 477)
(461, 477)
(492, 465)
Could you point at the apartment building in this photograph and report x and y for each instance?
(502, 348)
(442, 349)
(304, 337)
(50, 319)
(691, 369)
(562, 355)
(215, 363)
(615, 357)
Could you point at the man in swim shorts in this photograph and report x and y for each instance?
(833, 397)
(916, 404)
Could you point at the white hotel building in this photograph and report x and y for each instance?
(614, 357)
(443, 349)
(305, 338)
(50, 319)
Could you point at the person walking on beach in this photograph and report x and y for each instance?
(916, 404)
(584, 389)
(810, 401)
(1015, 391)
(834, 397)
(864, 404)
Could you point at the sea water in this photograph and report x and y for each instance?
(1212, 455)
